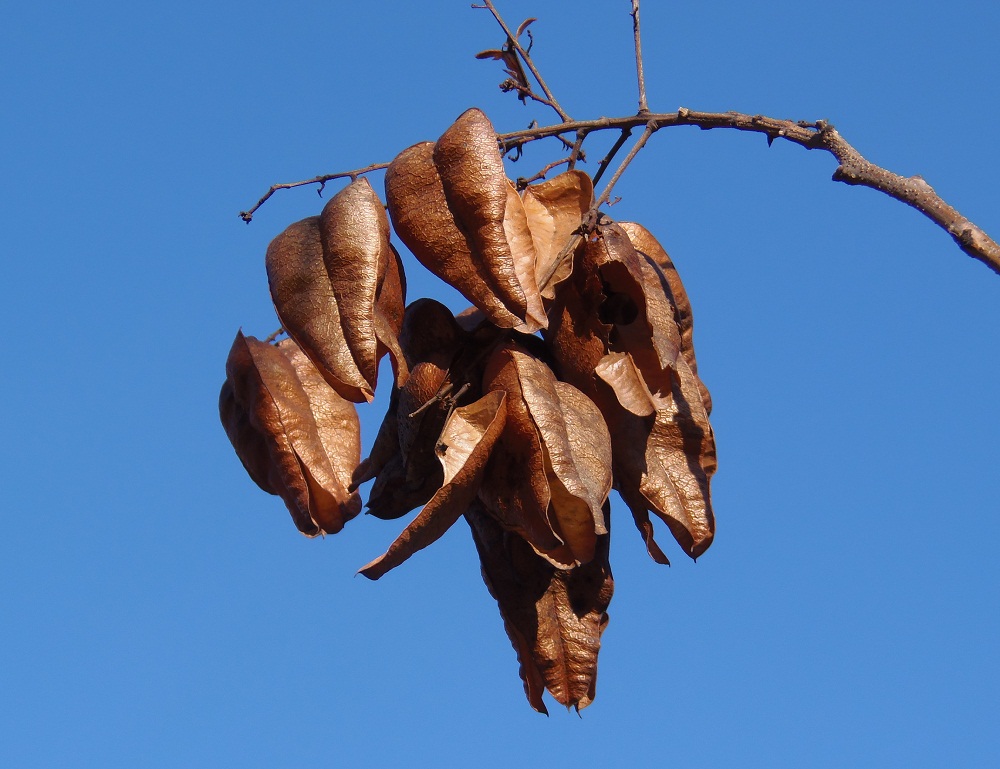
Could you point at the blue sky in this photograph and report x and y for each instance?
(159, 610)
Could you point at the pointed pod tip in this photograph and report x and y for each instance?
(698, 548)
(368, 571)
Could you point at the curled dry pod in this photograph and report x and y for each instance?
(663, 447)
(365, 274)
(296, 437)
(337, 286)
(638, 311)
(452, 206)
(463, 449)
(555, 498)
(554, 210)
(554, 617)
(648, 247)
(402, 460)
(665, 463)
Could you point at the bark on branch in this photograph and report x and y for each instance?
(853, 168)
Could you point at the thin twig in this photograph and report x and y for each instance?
(523, 182)
(577, 152)
(437, 397)
(247, 216)
(643, 108)
(275, 335)
(512, 41)
(639, 144)
(606, 161)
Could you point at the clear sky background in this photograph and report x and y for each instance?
(158, 610)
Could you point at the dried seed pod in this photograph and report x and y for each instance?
(647, 246)
(554, 617)
(403, 458)
(296, 437)
(664, 464)
(421, 217)
(554, 497)
(451, 204)
(555, 209)
(609, 343)
(358, 259)
(337, 286)
(639, 313)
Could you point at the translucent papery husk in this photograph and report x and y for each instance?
(663, 447)
(294, 434)
(550, 472)
(337, 285)
(649, 248)
(463, 448)
(553, 617)
(451, 204)
(554, 211)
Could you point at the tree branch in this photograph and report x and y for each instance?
(606, 160)
(643, 108)
(523, 182)
(639, 144)
(853, 168)
(577, 152)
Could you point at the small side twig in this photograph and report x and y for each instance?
(577, 152)
(523, 182)
(606, 161)
(643, 108)
(511, 85)
(247, 216)
(275, 335)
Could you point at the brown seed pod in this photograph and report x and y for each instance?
(337, 286)
(614, 335)
(296, 436)
(451, 204)
(554, 617)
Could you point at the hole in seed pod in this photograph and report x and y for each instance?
(617, 309)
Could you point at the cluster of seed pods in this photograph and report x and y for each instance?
(572, 374)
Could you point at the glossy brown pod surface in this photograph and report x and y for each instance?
(296, 437)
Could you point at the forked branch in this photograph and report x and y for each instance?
(514, 44)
